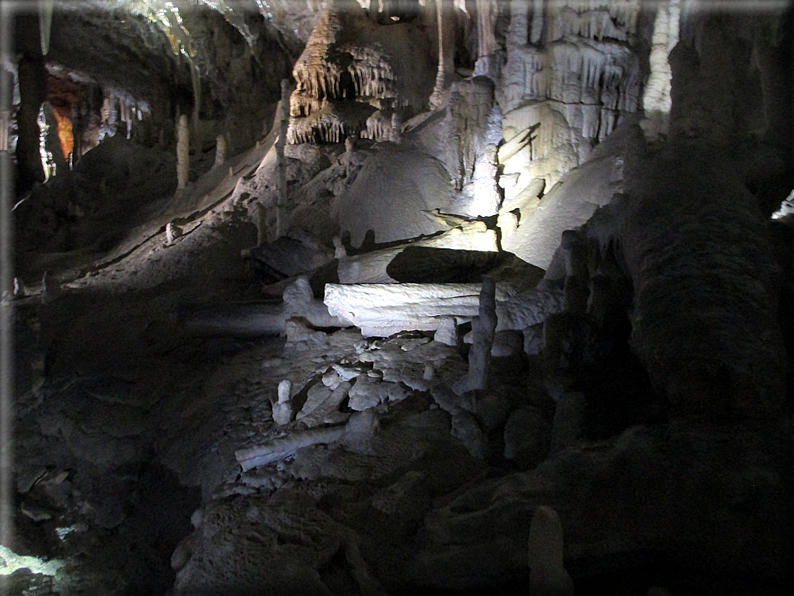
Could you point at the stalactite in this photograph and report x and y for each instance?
(486, 41)
(45, 24)
(182, 152)
(446, 65)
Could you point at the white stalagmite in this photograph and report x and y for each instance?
(221, 149)
(172, 232)
(483, 327)
(282, 409)
(182, 152)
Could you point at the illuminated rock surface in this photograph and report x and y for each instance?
(291, 375)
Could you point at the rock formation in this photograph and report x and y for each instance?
(491, 297)
(354, 73)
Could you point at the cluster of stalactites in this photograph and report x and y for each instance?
(594, 19)
(378, 127)
(369, 77)
(121, 108)
(339, 85)
(599, 73)
(329, 125)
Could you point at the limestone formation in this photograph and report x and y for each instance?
(372, 267)
(172, 232)
(574, 88)
(350, 69)
(384, 309)
(221, 149)
(346, 408)
(282, 409)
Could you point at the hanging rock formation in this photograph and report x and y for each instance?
(352, 69)
(573, 72)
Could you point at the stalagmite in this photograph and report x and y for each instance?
(182, 152)
(220, 149)
(172, 232)
(656, 100)
(483, 327)
(19, 288)
(547, 575)
(282, 409)
(447, 332)
(340, 252)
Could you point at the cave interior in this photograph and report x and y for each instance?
(364, 297)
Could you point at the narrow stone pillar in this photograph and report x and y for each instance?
(396, 127)
(182, 152)
(281, 160)
(446, 51)
(483, 329)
